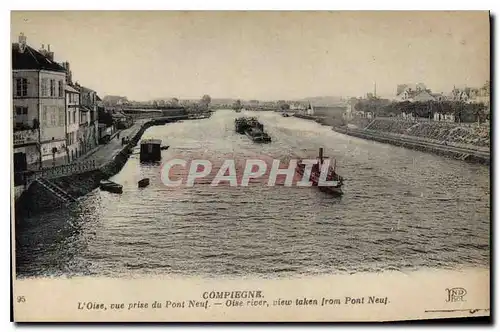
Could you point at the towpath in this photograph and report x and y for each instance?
(104, 153)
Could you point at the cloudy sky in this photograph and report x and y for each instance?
(262, 55)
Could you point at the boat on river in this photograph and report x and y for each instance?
(257, 135)
(335, 188)
(252, 128)
(150, 150)
(143, 183)
(111, 186)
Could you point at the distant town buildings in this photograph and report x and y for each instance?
(414, 93)
(476, 104)
(420, 93)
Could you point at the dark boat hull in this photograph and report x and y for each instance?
(111, 187)
(143, 183)
(258, 139)
(332, 190)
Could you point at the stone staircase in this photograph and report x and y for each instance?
(56, 190)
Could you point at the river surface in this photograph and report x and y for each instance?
(402, 210)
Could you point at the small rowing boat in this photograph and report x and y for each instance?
(111, 186)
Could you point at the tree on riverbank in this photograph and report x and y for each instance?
(105, 117)
(204, 103)
(174, 102)
(283, 105)
(237, 105)
(463, 112)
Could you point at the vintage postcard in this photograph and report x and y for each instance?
(274, 166)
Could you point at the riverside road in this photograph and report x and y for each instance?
(402, 210)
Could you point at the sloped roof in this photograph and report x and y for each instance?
(32, 59)
(84, 108)
(84, 89)
(71, 89)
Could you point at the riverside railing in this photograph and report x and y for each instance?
(62, 170)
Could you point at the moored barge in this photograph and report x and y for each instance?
(150, 150)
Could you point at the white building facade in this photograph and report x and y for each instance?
(38, 108)
(72, 122)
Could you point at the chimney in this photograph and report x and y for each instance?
(22, 42)
(49, 54)
(42, 50)
(69, 76)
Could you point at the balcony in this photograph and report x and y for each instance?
(29, 136)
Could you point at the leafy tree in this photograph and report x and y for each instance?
(105, 117)
(205, 100)
(237, 104)
(283, 105)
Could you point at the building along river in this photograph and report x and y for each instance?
(402, 210)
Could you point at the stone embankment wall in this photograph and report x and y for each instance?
(467, 141)
(469, 155)
(359, 123)
(468, 135)
(36, 198)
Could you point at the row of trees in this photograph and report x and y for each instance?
(201, 105)
(464, 112)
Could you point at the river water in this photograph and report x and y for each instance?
(402, 210)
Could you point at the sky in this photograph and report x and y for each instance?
(145, 55)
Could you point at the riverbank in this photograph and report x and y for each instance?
(109, 160)
(467, 142)
(414, 143)
(322, 119)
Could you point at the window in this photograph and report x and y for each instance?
(21, 115)
(53, 120)
(52, 88)
(45, 87)
(62, 116)
(21, 87)
(44, 116)
(21, 111)
(61, 88)
(74, 116)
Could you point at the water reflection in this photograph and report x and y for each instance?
(402, 209)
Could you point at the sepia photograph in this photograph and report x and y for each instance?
(250, 165)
